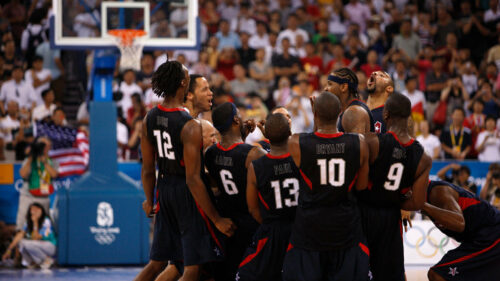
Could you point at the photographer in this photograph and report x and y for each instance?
(37, 171)
(492, 183)
(459, 176)
(454, 94)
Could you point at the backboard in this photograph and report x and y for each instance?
(84, 24)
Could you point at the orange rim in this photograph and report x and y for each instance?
(126, 35)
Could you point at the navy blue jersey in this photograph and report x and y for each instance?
(164, 126)
(227, 167)
(363, 105)
(278, 181)
(378, 120)
(265, 145)
(482, 220)
(327, 216)
(392, 174)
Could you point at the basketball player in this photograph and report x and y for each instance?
(227, 163)
(343, 83)
(471, 221)
(379, 86)
(199, 97)
(182, 227)
(272, 196)
(397, 164)
(265, 144)
(327, 240)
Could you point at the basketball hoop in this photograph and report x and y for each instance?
(130, 42)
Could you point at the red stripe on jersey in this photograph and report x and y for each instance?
(364, 248)
(263, 202)
(405, 190)
(229, 148)
(328, 136)
(465, 202)
(397, 139)
(182, 162)
(470, 256)
(353, 181)
(170, 109)
(250, 257)
(210, 229)
(282, 156)
(290, 246)
(157, 201)
(306, 179)
(370, 185)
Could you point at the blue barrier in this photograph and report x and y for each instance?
(9, 193)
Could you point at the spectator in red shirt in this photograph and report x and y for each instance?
(137, 111)
(338, 60)
(312, 64)
(226, 61)
(371, 63)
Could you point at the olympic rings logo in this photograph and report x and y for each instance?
(430, 239)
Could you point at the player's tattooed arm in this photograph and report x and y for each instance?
(252, 195)
(294, 148)
(192, 140)
(148, 169)
(356, 120)
(444, 208)
(255, 153)
(419, 188)
(373, 145)
(362, 180)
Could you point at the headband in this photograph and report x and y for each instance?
(229, 121)
(339, 80)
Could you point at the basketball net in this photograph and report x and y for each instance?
(130, 42)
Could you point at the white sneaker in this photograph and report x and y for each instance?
(47, 263)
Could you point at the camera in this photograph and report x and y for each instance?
(36, 149)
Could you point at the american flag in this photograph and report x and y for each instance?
(70, 148)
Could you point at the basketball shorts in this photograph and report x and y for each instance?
(333, 265)
(263, 259)
(182, 231)
(471, 261)
(383, 231)
(235, 247)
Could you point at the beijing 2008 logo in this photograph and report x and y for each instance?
(104, 233)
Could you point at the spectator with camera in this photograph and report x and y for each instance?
(459, 176)
(492, 183)
(488, 142)
(37, 171)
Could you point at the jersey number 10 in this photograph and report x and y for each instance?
(335, 173)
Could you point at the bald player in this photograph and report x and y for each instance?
(471, 221)
(355, 116)
(327, 240)
(379, 86)
(272, 196)
(209, 134)
(398, 164)
(265, 144)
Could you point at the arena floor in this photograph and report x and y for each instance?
(122, 274)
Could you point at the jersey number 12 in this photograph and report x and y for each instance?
(163, 147)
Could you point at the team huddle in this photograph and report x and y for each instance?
(325, 205)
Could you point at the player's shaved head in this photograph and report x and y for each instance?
(277, 129)
(327, 107)
(398, 106)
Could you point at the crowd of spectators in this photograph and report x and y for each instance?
(443, 55)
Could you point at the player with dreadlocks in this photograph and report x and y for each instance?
(356, 116)
(172, 140)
